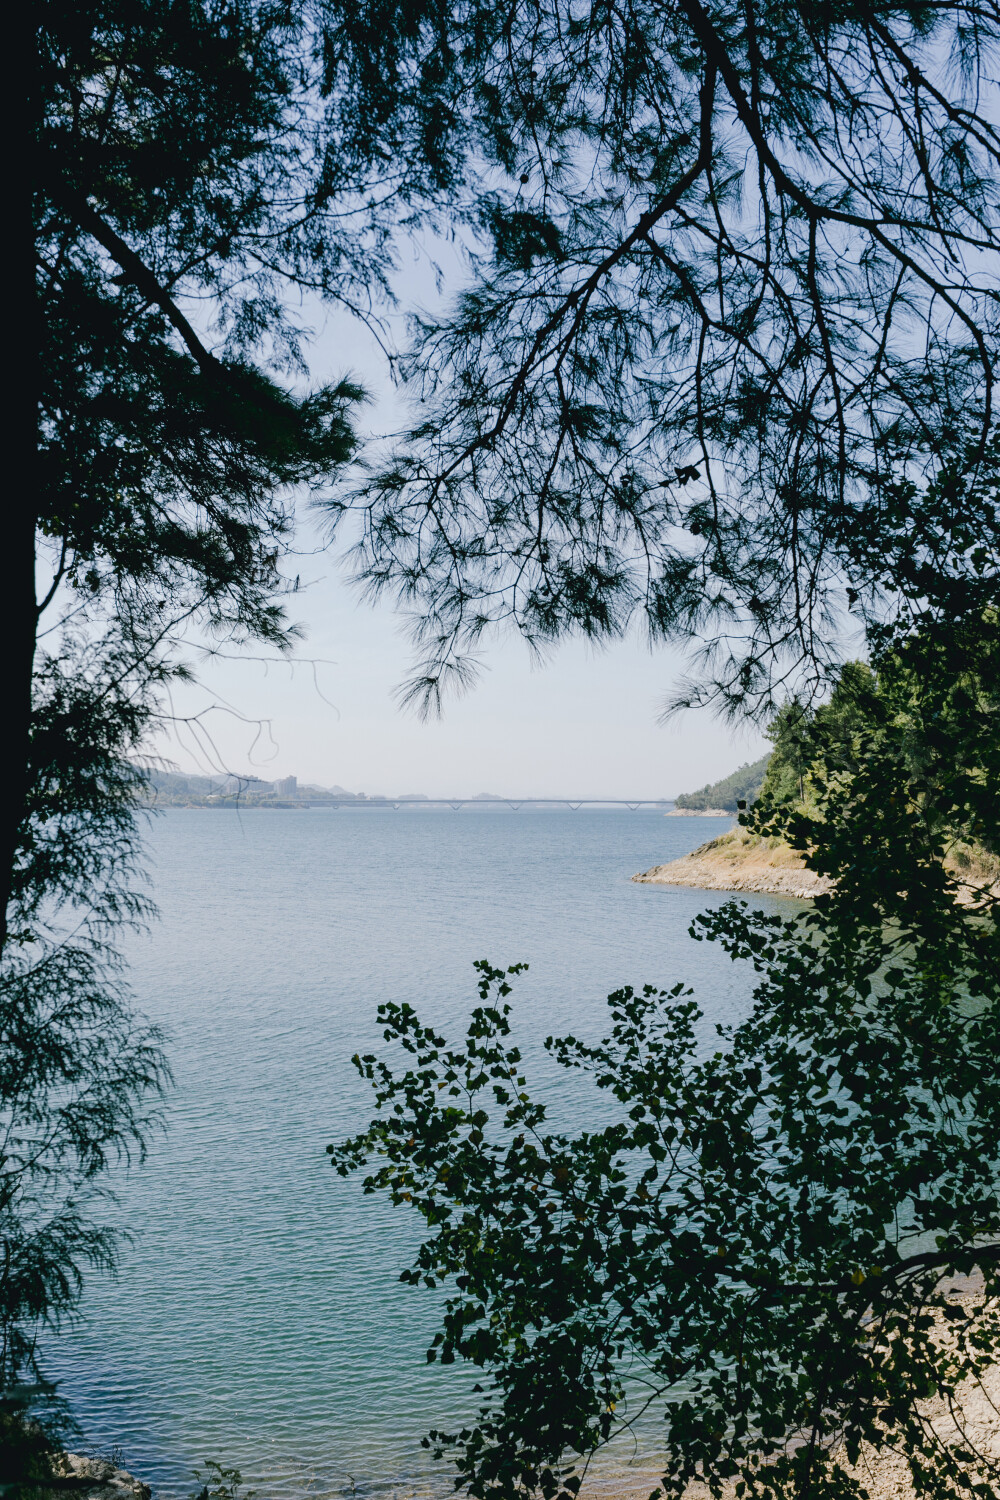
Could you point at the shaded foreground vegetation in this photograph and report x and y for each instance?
(763, 1250)
(724, 363)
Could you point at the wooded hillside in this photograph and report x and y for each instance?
(742, 786)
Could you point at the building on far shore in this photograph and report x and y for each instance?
(288, 786)
(243, 786)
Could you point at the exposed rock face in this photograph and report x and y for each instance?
(738, 862)
(109, 1483)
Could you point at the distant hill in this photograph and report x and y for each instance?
(179, 789)
(742, 785)
(171, 786)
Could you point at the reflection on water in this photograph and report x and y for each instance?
(258, 1318)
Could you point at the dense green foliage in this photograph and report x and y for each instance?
(726, 287)
(79, 1071)
(761, 1250)
(797, 729)
(934, 699)
(742, 786)
(198, 168)
(26, 1453)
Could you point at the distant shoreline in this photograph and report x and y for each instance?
(699, 812)
(399, 804)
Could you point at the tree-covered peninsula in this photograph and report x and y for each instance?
(742, 785)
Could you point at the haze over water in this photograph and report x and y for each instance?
(258, 1318)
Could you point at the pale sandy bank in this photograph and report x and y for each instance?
(970, 1426)
(698, 812)
(741, 861)
(737, 861)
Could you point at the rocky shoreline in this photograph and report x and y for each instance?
(699, 812)
(110, 1483)
(739, 862)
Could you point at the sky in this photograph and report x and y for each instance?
(585, 723)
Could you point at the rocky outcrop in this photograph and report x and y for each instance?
(740, 862)
(110, 1482)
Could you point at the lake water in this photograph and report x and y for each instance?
(258, 1318)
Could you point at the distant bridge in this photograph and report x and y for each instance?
(514, 803)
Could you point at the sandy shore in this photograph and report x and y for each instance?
(972, 1424)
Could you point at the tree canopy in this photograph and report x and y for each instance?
(198, 167)
(731, 303)
(724, 359)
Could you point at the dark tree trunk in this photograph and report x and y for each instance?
(18, 617)
(17, 633)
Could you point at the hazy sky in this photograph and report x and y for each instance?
(585, 723)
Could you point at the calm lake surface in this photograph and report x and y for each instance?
(258, 1318)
